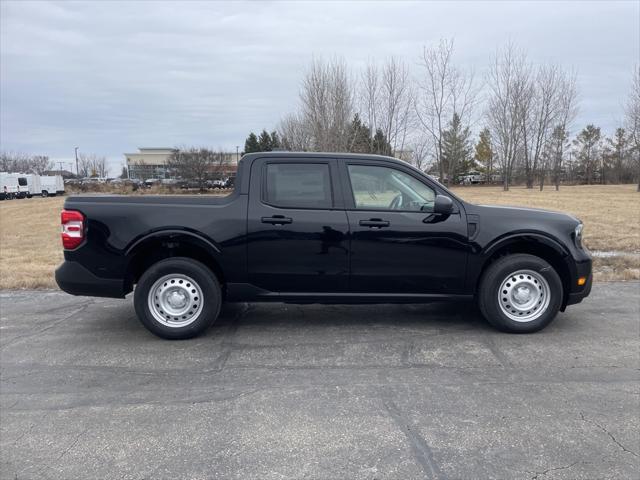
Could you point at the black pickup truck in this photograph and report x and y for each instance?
(321, 228)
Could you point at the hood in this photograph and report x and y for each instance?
(524, 213)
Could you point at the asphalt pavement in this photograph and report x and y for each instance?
(278, 391)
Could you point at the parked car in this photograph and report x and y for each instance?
(150, 182)
(472, 178)
(322, 228)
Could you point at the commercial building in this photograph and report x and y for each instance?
(151, 163)
(148, 163)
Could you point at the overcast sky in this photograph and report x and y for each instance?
(110, 76)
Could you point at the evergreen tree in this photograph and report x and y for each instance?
(275, 141)
(456, 149)
(484, 152)
(125, 173)
(619, 149)
(265, 141)
(359, 136)
(381, 145)
(588, 145)
(251, 144)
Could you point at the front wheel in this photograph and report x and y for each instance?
(520, 293)
(177, 298)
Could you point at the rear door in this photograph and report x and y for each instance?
(397, 244)
(297, 226)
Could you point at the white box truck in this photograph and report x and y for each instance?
(34, 185)
(52, 185)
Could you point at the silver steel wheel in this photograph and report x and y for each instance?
(175, 300)
(524, 296)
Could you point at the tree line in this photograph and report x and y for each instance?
(524, 114)
(23, 163)
(89, 164)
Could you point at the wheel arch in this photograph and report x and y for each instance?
(535, 244)
(171, 243)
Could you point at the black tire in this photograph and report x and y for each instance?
(489, 295)
(45, 194)
(206, 281)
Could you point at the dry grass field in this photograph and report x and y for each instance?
(30, 246)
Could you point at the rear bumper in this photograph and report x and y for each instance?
(75, 279)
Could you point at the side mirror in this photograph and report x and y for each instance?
(443, 205)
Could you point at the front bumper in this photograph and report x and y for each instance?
(75, 279)
(577, 297)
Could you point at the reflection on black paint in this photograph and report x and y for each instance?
(331, 238)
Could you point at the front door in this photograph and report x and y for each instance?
(397, 244)
(297, 226)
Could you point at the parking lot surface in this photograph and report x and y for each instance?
(280, 391)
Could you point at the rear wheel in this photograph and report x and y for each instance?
(520, 293)
(177, 298)
(45, 194)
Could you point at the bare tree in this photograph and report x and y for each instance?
(396, 113)
(444, 91)
(633, 118)
(193, 164)
(540, 110)
(508, 83)
(23, 163)
(40, 164)
(327, 105)
(421, 150)
(92, 165)
(220, 160)
(370, 96)
(567, 102)
(84, 164)
(100, 166)
(295, 133)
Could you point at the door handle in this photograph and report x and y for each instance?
(277, 220)
(374, 223)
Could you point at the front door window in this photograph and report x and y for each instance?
(383, 188)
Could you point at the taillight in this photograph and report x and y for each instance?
(72, 229)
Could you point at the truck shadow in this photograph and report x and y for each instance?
(454, 316)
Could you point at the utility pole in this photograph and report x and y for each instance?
(237, 152)
(77, 170)
(60, 163)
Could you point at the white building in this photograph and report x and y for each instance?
(148, 163)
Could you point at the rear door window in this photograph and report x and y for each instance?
(298, 185)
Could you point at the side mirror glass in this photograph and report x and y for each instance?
(443, 205)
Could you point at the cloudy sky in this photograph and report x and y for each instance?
(109, 76)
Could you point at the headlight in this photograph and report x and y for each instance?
(577, 235)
